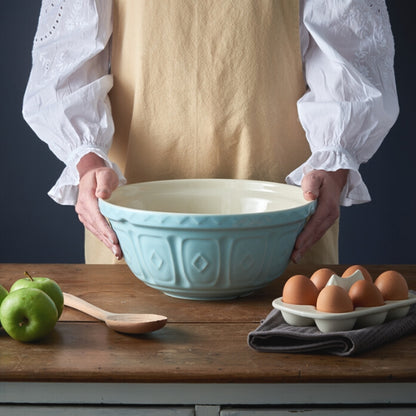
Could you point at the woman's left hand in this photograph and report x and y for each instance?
(326, 188)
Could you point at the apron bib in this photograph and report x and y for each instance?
(206, 88)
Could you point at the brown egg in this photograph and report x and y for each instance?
(364, 293)
(362, 269)
(392, 285)
(334, 299)
(321, 276)
(299, 290)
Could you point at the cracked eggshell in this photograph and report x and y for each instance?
(352, 269)
(345, 282)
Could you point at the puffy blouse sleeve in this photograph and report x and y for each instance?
(351, 101)
(66, 100)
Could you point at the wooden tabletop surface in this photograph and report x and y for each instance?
(203, 341)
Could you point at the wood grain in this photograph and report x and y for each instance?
(202, 342)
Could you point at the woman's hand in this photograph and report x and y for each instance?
(326, 188)
(96, 181)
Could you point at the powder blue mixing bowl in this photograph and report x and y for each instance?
(207, 239)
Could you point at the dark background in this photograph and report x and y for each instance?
(35, 229)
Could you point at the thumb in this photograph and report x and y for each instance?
(107, 182)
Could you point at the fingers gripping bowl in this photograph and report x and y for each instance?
(207, 238)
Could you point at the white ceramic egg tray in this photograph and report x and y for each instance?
(307, 315)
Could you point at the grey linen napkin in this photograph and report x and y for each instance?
(275, 335)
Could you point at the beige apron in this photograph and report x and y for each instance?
(207, 88)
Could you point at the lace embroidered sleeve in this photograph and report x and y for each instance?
(66, 101)
(351, 102)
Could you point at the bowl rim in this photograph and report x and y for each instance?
(308, 205)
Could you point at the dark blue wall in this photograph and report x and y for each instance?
(35, 229)
(384, 231)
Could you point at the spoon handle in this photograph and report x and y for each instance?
(84, 306)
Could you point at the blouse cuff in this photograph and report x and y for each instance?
(65, 190)
(332, 159)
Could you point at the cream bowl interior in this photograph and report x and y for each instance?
(208, 197)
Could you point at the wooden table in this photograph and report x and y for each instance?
(199, 363)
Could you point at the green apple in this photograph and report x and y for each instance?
(28, 314)
(3, 294)
(49, 286)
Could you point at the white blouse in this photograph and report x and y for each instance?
(349, 107)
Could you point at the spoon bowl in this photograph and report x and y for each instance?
(128, 323)
(133, 323)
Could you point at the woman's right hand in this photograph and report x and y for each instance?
(96, 181)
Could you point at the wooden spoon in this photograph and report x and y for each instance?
(129, 323)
